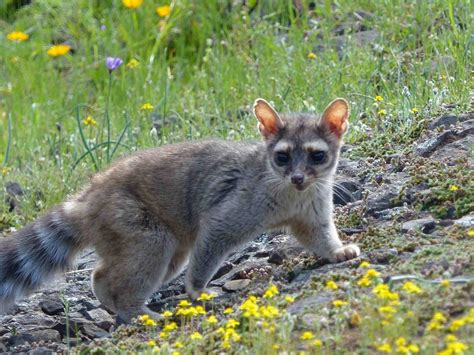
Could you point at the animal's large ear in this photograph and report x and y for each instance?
(269, 121)
(335, 117)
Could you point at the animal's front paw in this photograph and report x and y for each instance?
(344, 253)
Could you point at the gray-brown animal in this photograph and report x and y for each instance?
(150, 212)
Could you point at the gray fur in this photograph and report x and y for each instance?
(149, 212)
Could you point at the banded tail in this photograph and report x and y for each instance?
(34, 254)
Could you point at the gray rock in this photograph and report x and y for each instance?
(236, 285)
(346, 191)
(40, 351)
(465, 221)
(381, 202)
(445, 120)
(310, 303)
(51, 307)
(425, 225)
(426, 148)
(275, 257)
(101, 317)
(46, 335)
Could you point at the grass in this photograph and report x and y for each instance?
(199, 70)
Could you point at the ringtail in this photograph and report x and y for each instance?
(194, 203)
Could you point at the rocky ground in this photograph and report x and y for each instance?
(408, 212)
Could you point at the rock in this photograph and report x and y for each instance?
(275, 257)
(425, 225)
(46, 335)
(91, 304)
(311, 302)
(40, 351)
(426, 148)
(51, 307)
(92, 331)
(236, 285)
(101, 317)
(449, 119)
(346, 191)
(465, 221)
(381, 202)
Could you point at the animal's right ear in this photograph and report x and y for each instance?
(269, 120)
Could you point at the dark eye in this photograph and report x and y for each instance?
(317, 157)
(282, 158)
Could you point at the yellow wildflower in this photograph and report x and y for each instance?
(175, 353)
(339, 303)
(133, 63)
(382, 112)
(455, 347)
(58, 50)
(414, 110)
(453, 188)
(307, 336)
(378, 98)
(456, 324)
(382, 291)
(163, 11)
(312, 55)
(150, 323)
(89, 121)
(364, 264)
(372, 273)
(411, 287)
(5, 171)
(184, 303)
(289, 299)
(364, 282)
(228, 310)
(196, 336)
(470, 233)
(413, 348)
(17, 36)
(170, 326)
(450, 338)
(387, 311)
(232, 323)
(269, 311)
(200, 310)
(316, 342)
(434, 325)
(439, 317)
(143, 318)
(211, 320)
(276, 347)
(226, 344)
(178, 345)
(152, 343)
(164, 335)
(132, 4)
(445, 283)
(384, 348)
(146, 106)
(331, 285)
(271, 292)
(206, 297)
(167, 314)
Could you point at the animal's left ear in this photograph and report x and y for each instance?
(335, 117)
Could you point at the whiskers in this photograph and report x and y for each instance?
(275, 184)
(338, 189)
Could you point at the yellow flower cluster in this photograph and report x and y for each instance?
(89, 121)
(331, 285)
(147, 107)
(206, 297)
(58, 50)
(369, 276)
(146, 320)
(271, 292)
(453, 346)
(403, 347)
(383, 292)
(163, 11)
(411, 287)
(132, 4)
(17, 36)
(437, 322)
(339, 303)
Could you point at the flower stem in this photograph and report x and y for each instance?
(107, 117)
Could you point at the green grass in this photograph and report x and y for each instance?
(201, 69)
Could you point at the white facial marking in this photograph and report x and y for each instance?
(282, 146)
(316, 146)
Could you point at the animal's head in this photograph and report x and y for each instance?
(303, 148)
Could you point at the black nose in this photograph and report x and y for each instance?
(297, 178)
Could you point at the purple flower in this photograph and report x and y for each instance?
(113, 63)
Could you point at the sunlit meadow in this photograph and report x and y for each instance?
(83, 82)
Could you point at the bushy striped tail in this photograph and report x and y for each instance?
(34, 254)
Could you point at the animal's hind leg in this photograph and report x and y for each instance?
(129, 276)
